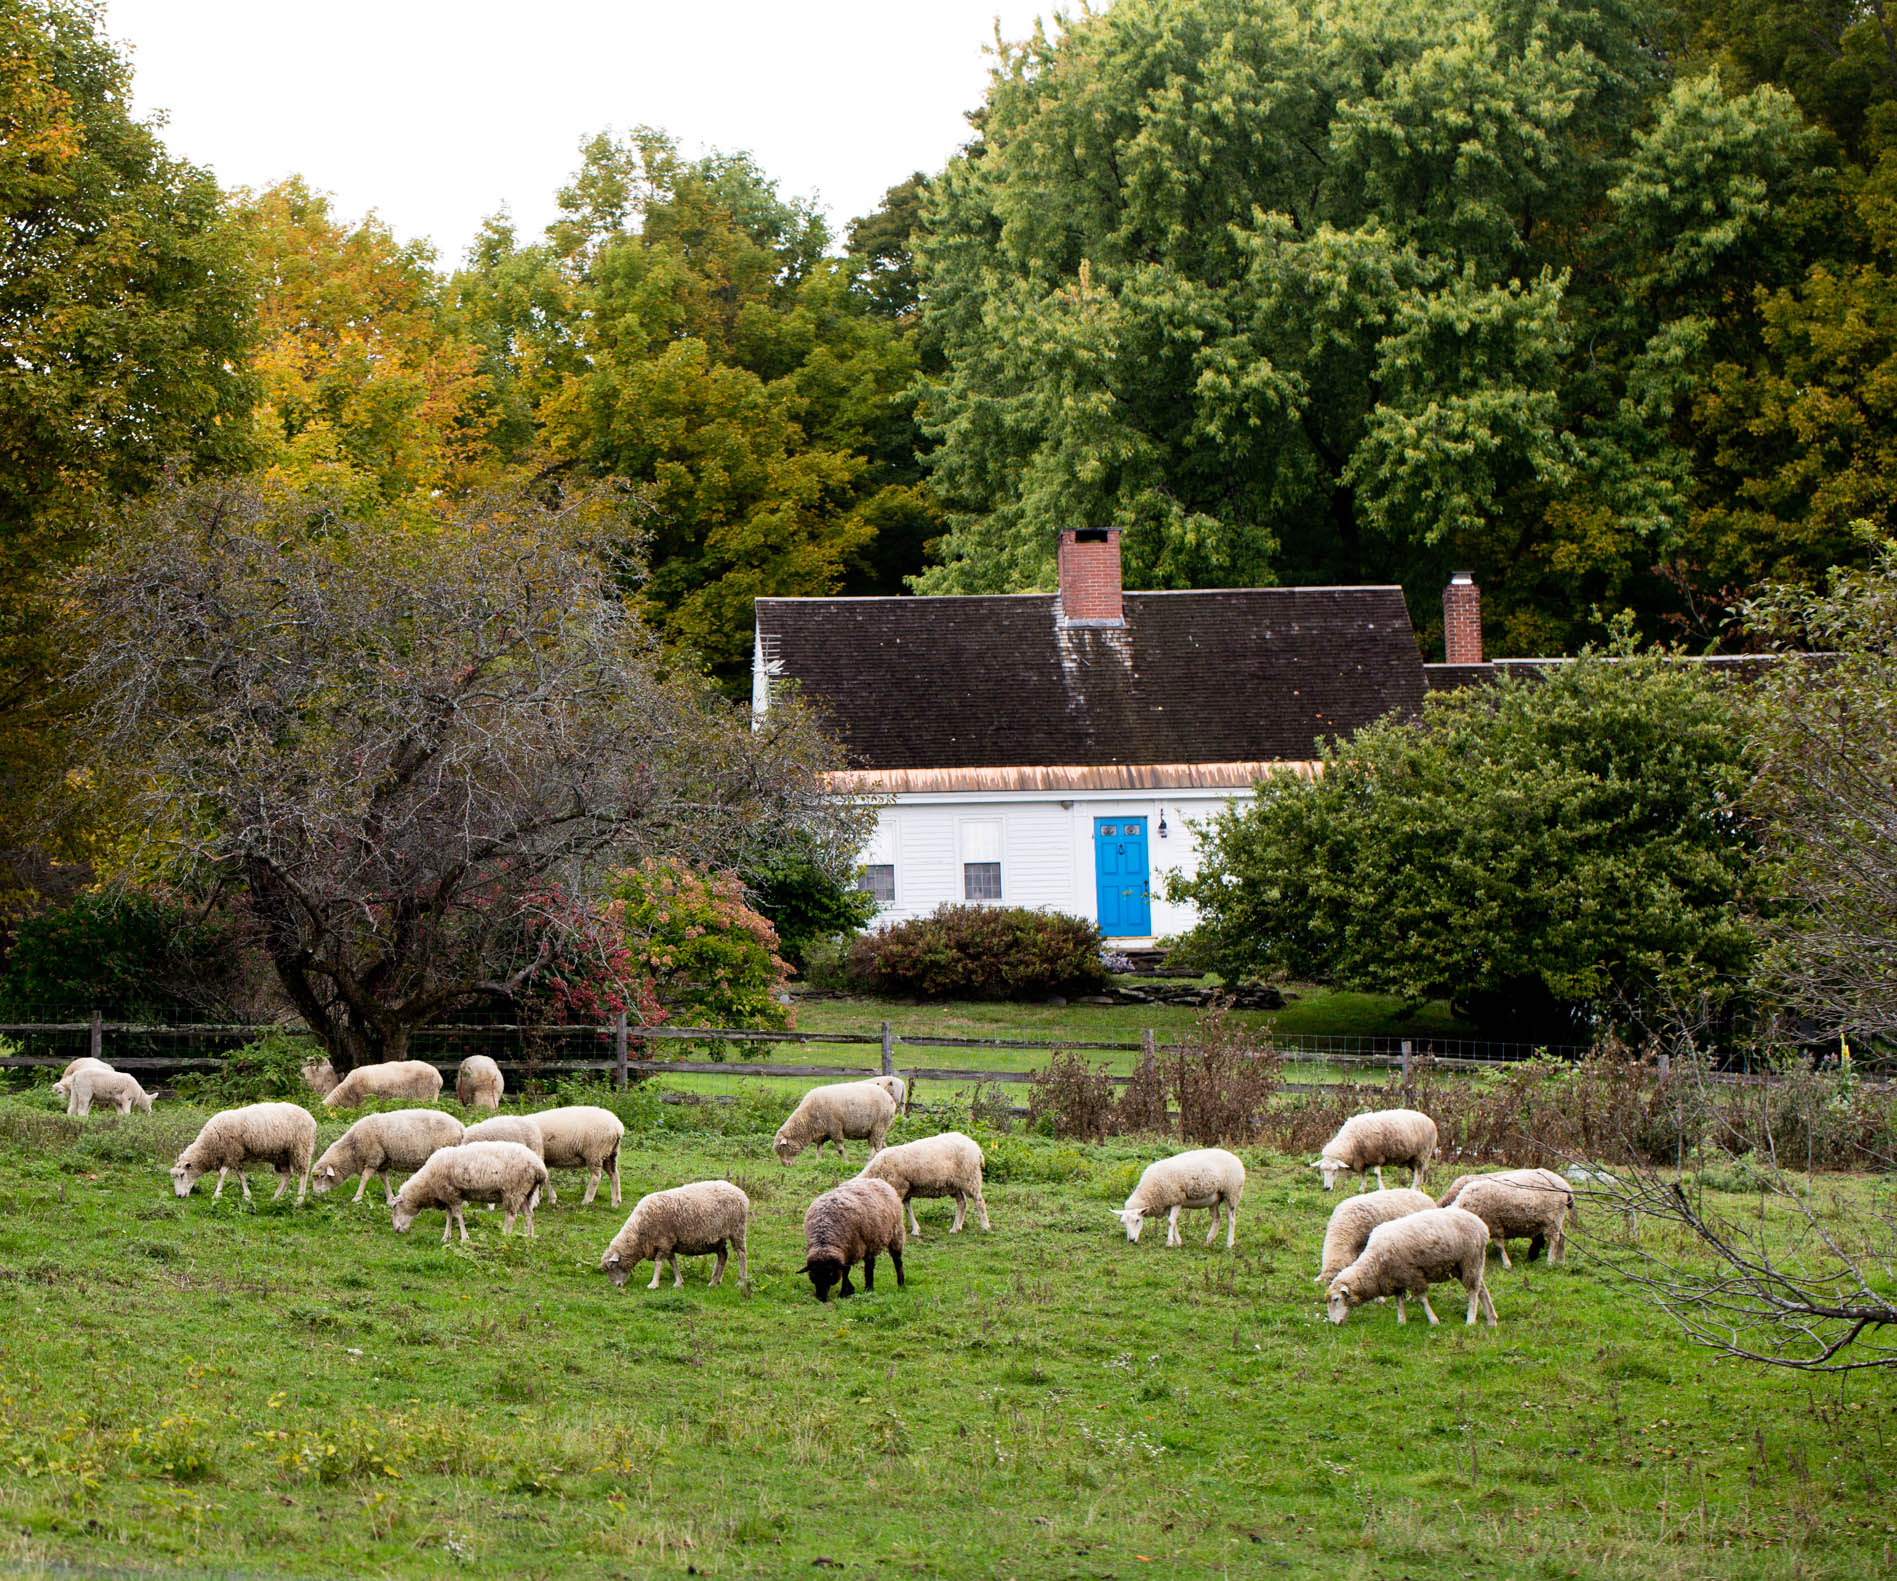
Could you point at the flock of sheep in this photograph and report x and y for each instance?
(1387, 1242)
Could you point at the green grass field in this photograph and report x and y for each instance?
(274, 1390)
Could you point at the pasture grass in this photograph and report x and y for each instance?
(275, 1390)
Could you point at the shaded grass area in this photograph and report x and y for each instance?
(280, 1390)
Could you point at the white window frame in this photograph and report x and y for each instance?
(975, 838)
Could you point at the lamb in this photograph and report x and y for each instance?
(87, 1085)
(1405, 1256)
(84, 1062)
(897, 1088)
(282, 1134)
(582, 1136)
(687, 1221)
(503, 1172)
(320, 1077)
(380, 1143)
(948, 1165)
(849, 1225)
(1369, 1141)
(852, 1110)
(1356, 1217)
(1531, 1202)
(1203, 1178)
(412, 1080)
(521, 1128)
(478, 1083)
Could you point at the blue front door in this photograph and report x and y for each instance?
(1119, 870)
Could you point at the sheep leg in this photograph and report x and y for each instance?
(1379, 1169)
(388, 1190)
(869, 1272)
(895, 1256)
(243, 1179)
(915, 1224)
(744, 1261)
(718, 1273)
(447, 1225)
(615, 1164)
(1488, 1303)
(1428, 1310)
(220, 1186)
(876, 1139)
(658, 1268)
(1501, 1242)
(461, 1222)
(1399, 1308)
(593, 1172)
(1231, 1225)
(528, 1211)
(507, 1219)
(846, 1288)
(284, 1177)
(1172, 1227)
(553, 1197)
(303, 1184)
(678, 1271)
(961, 1213)
(1212, 1234)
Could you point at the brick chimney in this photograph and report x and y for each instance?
(1090, 576)
(1462, 620)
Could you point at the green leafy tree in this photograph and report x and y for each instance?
(134, 955)
(683, 329)
(126, 314)
(1543, 853)
(1357, 294)
(798, 887)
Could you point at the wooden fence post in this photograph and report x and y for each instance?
(1406, 1062)
(619, 1048)
(1666, 1064)
(1149, 1045)
(889, 1051)
(97, 1045)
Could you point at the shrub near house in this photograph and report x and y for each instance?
(981, 952)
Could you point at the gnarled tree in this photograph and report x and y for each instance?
(409, 755)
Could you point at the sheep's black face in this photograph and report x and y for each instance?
(824, 1273)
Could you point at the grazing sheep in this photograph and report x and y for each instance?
(521, 1128)
(503, 1172)
(687, 1221)
(1369, 1141)
(413, 1080)
(320, 1077)
(1405, 1256)
(1206, 1177)
(87, 1086)
(1356, 1217)
(380, 1143)
(582, 1136)
(850, 1225)
(478, 1083)
(280, 1134)
(948, 1165)
(1531, 1202)
(845, 1110)
(84, 1062)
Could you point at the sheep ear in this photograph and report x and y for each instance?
(803, 1270)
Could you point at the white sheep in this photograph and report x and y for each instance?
(1405, 1256)
(582, 1136)
(87, 1086)
(847, 1110)
(503, 1172)
(1356, 1217)
(478, 1083)
(948, 1165)
(1206, 1177)
(1531, 1202)
(897, 1088)
(687, 1221)
(521, 1128)
(411, 1080)
(319, 1076)
(280, 1134)
(378, 1144)
(1369, 1141)
(850, 1225)
(84, 1062)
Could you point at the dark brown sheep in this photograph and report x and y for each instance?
(851, 1225)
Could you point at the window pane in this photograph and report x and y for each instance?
(1109, 830)
(879, 879)
(1132, 828)
(981, 881)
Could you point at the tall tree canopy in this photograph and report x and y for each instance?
(126, 318)
(1356, 292)
(681, 327)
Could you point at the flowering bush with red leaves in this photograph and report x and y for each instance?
(689, 936)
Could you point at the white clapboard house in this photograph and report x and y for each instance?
(1055, 750)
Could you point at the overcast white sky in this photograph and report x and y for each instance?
(436, 113)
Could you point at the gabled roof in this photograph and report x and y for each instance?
(1249, 674)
